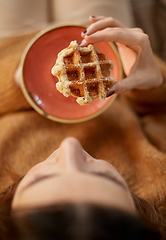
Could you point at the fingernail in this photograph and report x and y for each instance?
(93, 16)
(110, 93)
(84, 31)
(83, 43)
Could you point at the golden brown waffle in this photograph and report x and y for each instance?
(83, 72)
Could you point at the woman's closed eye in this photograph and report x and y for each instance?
(108, 176)
(105, 175)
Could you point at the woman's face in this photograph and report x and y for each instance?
(71, 175)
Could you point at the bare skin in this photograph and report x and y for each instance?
(135, 52)
(71, 175)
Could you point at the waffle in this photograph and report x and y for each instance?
(83, 72)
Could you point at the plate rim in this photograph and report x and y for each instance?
(30, 100)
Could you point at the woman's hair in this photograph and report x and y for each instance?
(75, 221)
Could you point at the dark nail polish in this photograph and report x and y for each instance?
(79, 43)
(93, 17)
(84, 31)
(110, 93)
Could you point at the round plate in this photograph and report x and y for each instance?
(38, 84)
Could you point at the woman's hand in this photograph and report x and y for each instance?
(135, 52)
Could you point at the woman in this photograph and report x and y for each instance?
(72, 195)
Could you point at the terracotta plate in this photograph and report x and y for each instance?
(38, 84)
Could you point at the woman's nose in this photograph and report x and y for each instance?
(70, 155)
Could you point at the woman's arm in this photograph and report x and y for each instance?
(11, 97)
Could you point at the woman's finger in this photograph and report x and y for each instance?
(134, 81)
(100, 23)
(120, 87)
(140, 78)
(17, 76)
(135, 40)
(94, 19)
(103, 23)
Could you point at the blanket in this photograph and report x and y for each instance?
(130, 134)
